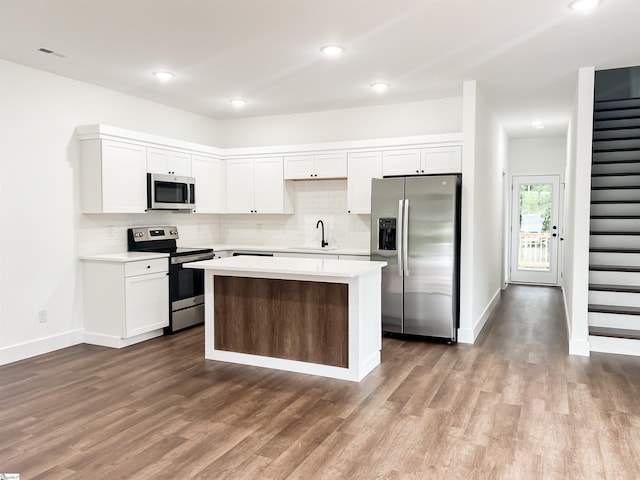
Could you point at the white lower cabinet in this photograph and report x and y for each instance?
(125, 302)
(146, 303)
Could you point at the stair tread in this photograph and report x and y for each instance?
(614, 288)
(605, 202)
(615, 174)
(614, 309)
(606, 150)
(609, 232)
(611, 162)
(614, 268)
(603, 105)
(614, 250)
(617, 187)
(616, 217)
(614, 332)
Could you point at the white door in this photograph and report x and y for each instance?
(535, 232)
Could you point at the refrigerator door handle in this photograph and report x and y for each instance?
(405, 237)
(400, 237)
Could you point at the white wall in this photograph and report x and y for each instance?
(538, 156)
(397, 120)
(577, 211)
(484, 166)
(39, 196)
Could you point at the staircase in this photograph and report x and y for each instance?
(614, 243)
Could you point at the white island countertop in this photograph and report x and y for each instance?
(274, 266)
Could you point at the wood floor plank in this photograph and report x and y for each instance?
(514, 405)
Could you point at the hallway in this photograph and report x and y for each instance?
(513, 406)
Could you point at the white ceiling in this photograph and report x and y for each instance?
(523, 53)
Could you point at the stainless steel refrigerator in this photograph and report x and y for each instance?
(415, 227)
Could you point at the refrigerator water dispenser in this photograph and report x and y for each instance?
(387, 234)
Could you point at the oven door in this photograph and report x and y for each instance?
(186, 293)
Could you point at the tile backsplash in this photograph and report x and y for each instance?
(314, 200)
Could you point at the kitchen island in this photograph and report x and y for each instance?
(315, 316)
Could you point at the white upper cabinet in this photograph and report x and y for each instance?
(168, 162)
(211, 184)
(299, 167)
(256, 185)
(442, 159)
(240, 197)
(312, 166)
(113, 177)
(401, 162)
(362, 167)
(422, 161)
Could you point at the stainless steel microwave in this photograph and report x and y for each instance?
(170, 192)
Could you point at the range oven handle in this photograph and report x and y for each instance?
(191, 258)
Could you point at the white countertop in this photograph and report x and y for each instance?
(311, 267)
(123, 257)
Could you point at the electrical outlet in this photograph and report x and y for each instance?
(42, 316)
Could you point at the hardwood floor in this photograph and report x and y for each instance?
(513, 406)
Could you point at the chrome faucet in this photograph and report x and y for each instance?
(324, 243)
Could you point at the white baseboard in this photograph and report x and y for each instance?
(469, 335)
(619, 346)
(117, 342)
(580, 348)
(33, 348)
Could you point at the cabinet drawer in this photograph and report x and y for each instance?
(143, 267)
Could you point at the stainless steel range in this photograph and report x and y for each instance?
(186, 285)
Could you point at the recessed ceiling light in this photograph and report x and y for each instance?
(164, 76)
(332, 50)
(238, 102)
(584, 5)
(537, 124)
(379, 87)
